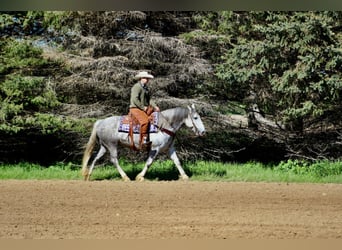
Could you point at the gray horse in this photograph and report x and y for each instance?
(106, 132)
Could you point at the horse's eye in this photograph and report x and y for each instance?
(195, 117)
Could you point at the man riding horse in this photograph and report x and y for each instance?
(141, 106)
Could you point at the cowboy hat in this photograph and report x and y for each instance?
(143, 74)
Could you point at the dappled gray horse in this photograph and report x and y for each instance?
(106, 132)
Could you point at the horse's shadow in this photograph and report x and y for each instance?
(152, 174)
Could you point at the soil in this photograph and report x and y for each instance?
(169, 210)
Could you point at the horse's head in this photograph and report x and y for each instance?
(194, 121)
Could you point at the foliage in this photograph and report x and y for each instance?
(318, 169)
(20, 57)
(21, 97)
(291, 60)
(27, 98)
(61, 21)
(36, 22)
(5, 20)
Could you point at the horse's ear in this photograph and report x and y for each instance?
(193, 106)
(189, 108)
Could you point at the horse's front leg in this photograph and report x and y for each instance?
(152, 155)
(174, 158)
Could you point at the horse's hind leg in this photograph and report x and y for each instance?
(114, 160)
(151, 157)
(101, 152)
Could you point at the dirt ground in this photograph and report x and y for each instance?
(169, 210)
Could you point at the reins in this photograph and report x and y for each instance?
(171, 133)
(167, 131)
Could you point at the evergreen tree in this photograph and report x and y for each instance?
(291, 60)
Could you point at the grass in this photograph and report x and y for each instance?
(289, 171)
(257, 172)
(24, 171)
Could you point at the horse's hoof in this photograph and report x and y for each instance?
(85, 175)
(126, 178)
(184, 177)
(139, 178)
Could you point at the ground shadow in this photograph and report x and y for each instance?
(169, 174)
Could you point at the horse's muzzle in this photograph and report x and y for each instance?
(201, 133)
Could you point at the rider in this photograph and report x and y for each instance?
(141, 105)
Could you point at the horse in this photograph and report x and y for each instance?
(106, 132)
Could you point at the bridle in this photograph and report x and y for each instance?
(173, 134)
(197, 131)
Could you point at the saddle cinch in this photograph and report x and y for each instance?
(129, 124)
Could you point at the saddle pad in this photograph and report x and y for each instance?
(124, 124)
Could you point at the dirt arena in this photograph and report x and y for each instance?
(169, 210)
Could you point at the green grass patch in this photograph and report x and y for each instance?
(24, 171)
(320, 172)
(289, 171)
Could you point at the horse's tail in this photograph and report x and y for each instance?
(87, 152)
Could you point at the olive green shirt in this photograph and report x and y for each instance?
(140, 97)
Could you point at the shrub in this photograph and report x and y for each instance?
(293, 166)
(326, 168)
